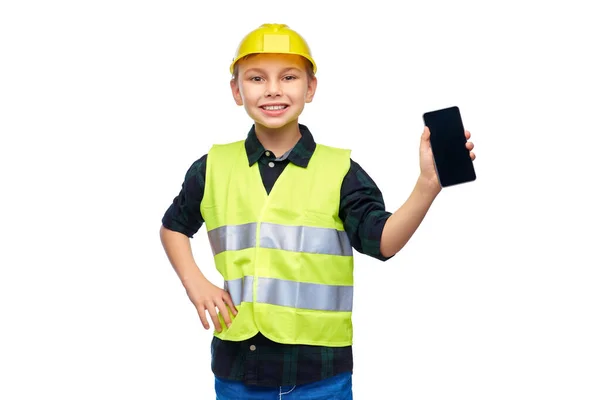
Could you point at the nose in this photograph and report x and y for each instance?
(273, 88)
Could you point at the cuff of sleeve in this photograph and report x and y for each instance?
(373, 247)
(173, 225)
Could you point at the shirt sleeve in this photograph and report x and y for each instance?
(363, 212)
(183, 215)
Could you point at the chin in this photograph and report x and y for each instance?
(275, 124)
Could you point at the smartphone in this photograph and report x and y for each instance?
(452, 161)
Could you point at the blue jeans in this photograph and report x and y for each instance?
(338, 387)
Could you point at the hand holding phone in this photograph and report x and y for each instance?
(452, 159)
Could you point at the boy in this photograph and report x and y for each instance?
(282, 215)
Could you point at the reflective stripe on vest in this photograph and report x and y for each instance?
(303, 239)
(240, 289)
(284, 293)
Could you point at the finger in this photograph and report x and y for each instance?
(467, 134)
(470, 146)
(202, 315)
(224, 313)
(213, 315)
(472, 156)
(227, 299)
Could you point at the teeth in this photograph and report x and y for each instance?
(274, 108)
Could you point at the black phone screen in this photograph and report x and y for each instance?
(452, 160)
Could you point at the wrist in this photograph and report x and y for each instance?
(193, 277)
(427, 187)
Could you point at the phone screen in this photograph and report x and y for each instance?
(452, 160)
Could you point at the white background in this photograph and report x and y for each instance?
(104, 105)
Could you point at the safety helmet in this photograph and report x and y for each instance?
(273, 38)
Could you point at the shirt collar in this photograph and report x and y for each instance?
(300, 154)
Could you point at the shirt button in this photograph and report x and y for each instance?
(267, 153)
(252, 347)
(271, 164)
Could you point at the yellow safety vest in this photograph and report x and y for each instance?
(285, 257)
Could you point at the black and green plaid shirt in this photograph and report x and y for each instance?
(259, 361)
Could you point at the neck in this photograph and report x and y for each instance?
(278, 140)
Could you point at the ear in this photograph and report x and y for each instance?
(312, 88)
(235, 91)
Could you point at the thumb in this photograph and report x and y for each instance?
(426, 134)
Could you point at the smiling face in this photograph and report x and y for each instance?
(273, 88)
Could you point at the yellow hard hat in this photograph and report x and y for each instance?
(273, 38)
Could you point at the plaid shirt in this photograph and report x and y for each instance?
(259, 361)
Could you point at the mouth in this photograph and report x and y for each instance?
(276, 107)
(274, 110)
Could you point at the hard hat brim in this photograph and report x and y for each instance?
(241, 56)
